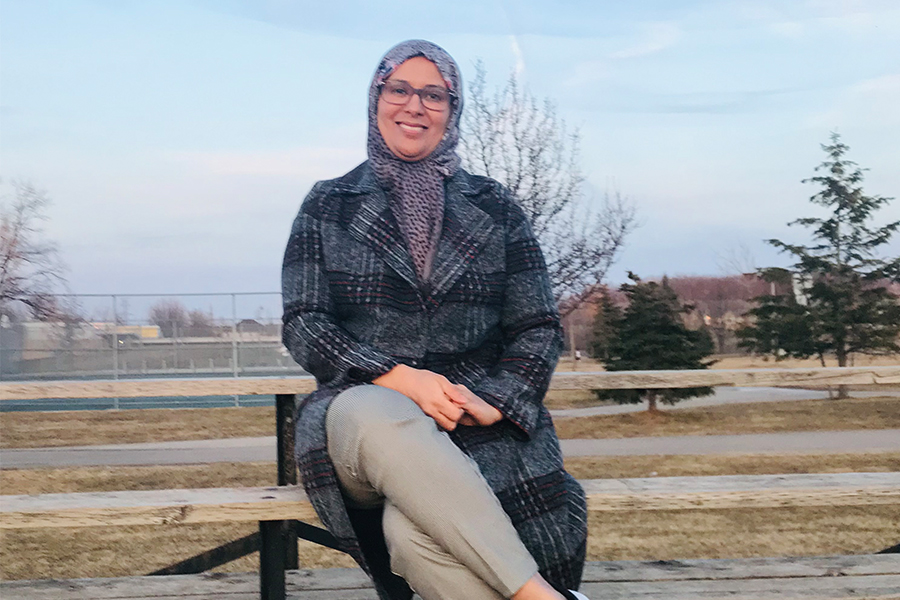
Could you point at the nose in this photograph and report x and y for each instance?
(414, 104)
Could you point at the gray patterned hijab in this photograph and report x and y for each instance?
(416, 189)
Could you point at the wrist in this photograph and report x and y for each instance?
(395, 379)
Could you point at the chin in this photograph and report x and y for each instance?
(411, 154)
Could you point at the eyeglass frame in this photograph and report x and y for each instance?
(451, 95)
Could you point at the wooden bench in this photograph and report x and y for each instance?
(273, 506)
(834, 577)
(214, 505)
(276, 509)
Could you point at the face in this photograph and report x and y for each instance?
(412, 131)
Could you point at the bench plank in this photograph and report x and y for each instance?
(154, 507)
(743, 491)
(249, 386)
(863, 576)
(167, 507)
(743, 568)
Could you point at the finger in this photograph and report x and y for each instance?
(454, 393)
(442, 420)
(452, 412)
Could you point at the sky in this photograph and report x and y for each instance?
(177, 139)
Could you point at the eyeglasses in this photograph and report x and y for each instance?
(433, 97)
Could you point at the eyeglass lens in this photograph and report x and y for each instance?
(399, 92)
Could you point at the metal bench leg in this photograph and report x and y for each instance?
(271, 560)
(287, 464)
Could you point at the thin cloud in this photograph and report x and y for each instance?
(655, 37)
(517, 52)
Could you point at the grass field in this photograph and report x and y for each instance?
(727, 419)
(99, 551)
(77, 428)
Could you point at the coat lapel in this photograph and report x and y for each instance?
(466, 228)
(373, 223)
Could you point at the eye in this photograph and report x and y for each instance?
(436, 94)
(396, 89)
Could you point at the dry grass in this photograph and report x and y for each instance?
(156, 477)
(666, 535)
(761, 417)
(677, 465)
(77, 428)
(90, 427)
(99, 551)
(121, 551)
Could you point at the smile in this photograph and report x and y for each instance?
(411, 128)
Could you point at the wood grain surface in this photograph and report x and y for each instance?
(255, 386)
(168, 507)
(863, 576)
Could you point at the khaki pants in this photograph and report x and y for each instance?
(445, 529)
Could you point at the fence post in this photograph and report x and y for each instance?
(115, 341)
(234, 347)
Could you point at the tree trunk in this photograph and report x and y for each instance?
(842, 392)
(651, 399)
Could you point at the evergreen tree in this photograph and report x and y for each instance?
(838, 302)
(605, 323)
(652, 336)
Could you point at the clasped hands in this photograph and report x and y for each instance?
(449, 404)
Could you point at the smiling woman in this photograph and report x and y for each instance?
(417, 295)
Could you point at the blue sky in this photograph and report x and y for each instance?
(178, 138)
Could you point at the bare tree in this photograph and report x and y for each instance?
(170, 316)
(524, 145)
(737, 259)
(30, 267)
(200, 324)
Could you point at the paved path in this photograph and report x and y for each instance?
(262, 449)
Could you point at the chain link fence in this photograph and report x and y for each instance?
(128, 336)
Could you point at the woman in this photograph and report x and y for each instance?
(418, 297)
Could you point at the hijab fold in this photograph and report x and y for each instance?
(416, 189)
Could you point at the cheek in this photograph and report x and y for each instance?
(383, 117)
(439, 126)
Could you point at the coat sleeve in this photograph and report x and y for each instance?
(531, 329)
(311, 331)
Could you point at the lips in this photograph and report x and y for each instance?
(413, 128)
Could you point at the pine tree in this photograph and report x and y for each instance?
(652, 336)
(605, 323)
(838, 302)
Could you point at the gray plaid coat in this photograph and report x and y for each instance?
(354, 309)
